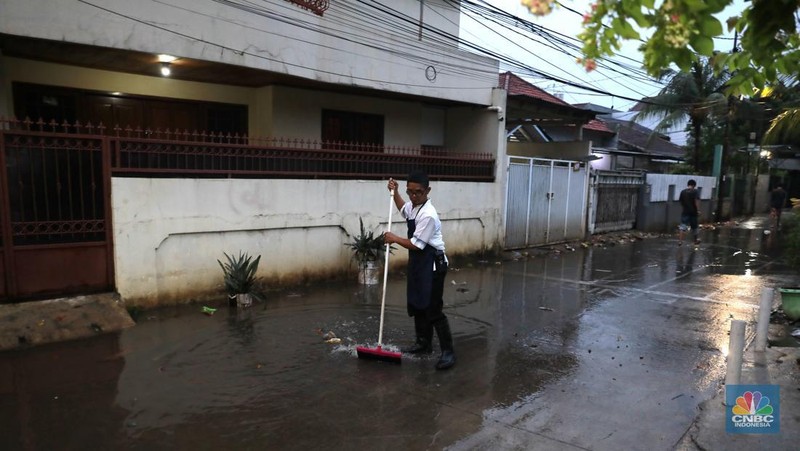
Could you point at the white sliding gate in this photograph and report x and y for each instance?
(546, 201)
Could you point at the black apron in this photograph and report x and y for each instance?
(420, 272)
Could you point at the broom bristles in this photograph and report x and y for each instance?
(378, 354)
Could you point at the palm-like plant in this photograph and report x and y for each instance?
(696, 96)
(785, 128)
(239, 273)
(366, 246)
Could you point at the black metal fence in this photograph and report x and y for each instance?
(138, 152)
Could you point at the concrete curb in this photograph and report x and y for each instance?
(775, 366)
(54, 320)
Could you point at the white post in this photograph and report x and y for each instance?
(735, 351)
(764, 310)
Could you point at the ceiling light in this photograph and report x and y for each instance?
(165, 70)
(166, 58)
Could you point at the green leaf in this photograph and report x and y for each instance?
(623, 29)
(702, 45)
(742, 61)
(683, 58)
(617, 25)
(643, 20)
(628, 32)
(770, 73)
(695, 5)
(781, 66)
(710, 27)
(758, 79)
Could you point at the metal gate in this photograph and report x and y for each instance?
(55, 236)
(546, 201)
(615, 198)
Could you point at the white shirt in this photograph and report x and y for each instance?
(428, 230)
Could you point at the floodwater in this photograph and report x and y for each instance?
(593, 348)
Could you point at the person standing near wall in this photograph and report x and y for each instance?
(427, 268)
(777, 200)
(690, 212)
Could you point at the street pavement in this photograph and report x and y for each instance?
(618, 343)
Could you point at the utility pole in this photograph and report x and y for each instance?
(726, 143)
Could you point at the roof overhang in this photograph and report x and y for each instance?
(187, 69)
(521, 109)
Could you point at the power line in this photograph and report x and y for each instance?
(436, 37)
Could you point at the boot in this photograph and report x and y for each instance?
(424, 331)
(448, 357)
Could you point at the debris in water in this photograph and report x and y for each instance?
(208, 310)
(548, 309)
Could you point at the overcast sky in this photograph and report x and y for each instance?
(624, 77)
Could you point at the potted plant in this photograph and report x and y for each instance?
(239, 276)
(368, 249)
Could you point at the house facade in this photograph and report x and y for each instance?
(353, 93)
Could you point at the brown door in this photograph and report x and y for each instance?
(113, 111)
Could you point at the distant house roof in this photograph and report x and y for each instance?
(600, 109)
(516, 86)
(635, 136)
(598, 126)
(638, 106)
(524, 92)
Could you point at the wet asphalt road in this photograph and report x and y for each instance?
(597, 348)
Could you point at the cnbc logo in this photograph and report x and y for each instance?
(752, 409)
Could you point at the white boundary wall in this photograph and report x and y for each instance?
(659, 185)
(169, 233)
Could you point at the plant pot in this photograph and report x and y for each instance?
(790, 301)
(244, 300)
(368, 273)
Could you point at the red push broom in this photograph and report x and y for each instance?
(378, 353)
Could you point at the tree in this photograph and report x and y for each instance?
(696, 95)
(784, 100)
(785, 128)
(680, 30)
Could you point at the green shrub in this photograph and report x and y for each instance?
(239, 272)
(790, 225)
(367, 246)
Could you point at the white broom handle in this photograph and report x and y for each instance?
(385, 268)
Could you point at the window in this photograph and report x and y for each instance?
(51, 102)
(344, 130)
